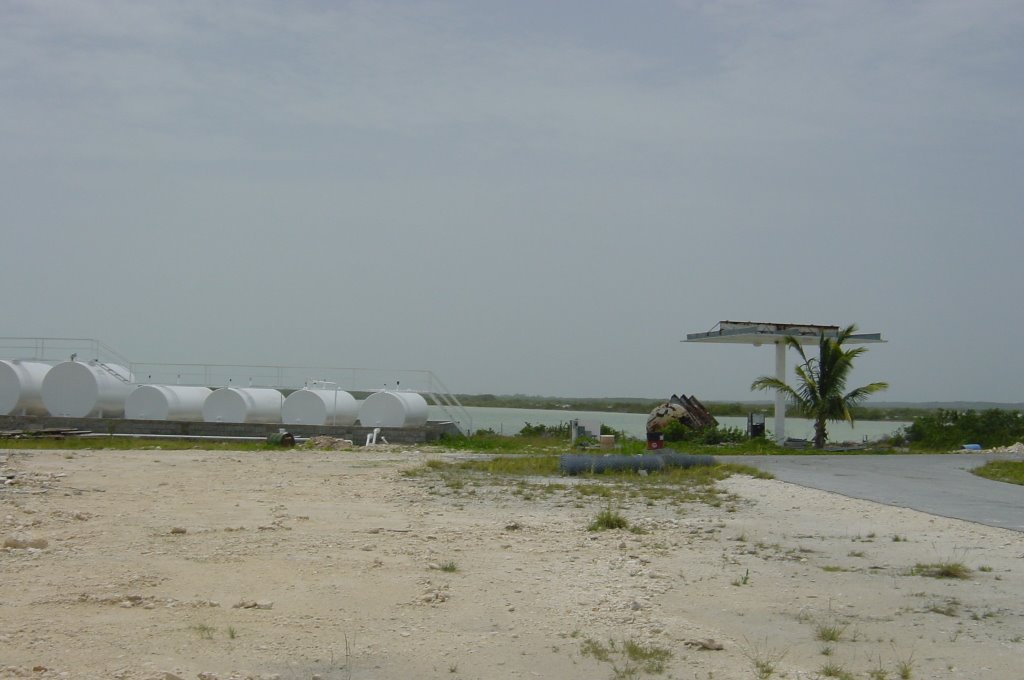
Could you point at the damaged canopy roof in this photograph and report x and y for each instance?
(761, 332)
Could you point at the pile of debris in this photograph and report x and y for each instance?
(48, 432)
(325, 443)
(1013, 448)
(682, 409)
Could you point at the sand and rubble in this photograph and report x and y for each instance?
(156, 565)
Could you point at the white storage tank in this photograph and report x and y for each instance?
(320, 407)
(243, 405)
(21, 383)
(166, 402)
(393, 409)
(91, 389)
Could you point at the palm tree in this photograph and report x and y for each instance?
(822, 382)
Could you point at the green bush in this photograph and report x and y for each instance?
(677, 432)
(560, 431)
(948, 429)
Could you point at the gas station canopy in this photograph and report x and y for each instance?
(759, 333)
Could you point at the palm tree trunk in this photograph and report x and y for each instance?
(819, 433)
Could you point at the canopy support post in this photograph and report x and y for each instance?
(780, 398)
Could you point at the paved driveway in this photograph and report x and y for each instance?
(936, 484)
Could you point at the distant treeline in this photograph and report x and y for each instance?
(636, 405)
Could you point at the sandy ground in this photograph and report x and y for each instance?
(307, 564)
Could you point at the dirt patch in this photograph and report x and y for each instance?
(337, 564)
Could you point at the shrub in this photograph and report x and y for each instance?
(942, 570)
(949, 429)
(678, 432)
(608, 519)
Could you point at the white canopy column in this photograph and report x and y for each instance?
(780, 398)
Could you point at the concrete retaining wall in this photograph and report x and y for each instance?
(395, 435)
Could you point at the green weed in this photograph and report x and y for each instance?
(942, 570)
(764, 659)
(834, 670)
(742, 580)
(608, 519)
(1002, 471)
(951, 607)
(204, 631)
(829, 633)
(628, 658)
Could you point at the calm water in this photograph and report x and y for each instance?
(511, 421)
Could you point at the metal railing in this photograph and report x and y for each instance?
(61, 349)
(446, 400)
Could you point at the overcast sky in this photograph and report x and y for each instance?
(524, 197)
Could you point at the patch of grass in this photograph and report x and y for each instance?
(595, 650)
(905, 668)
(608, 519)
(763, 658)
(742, 580)
(674, 485)
(599, 490)
(650, 658)
(491, 442)
(942, 570)
(232, 633)
(951, 607)
(749, 470)
(627, 658)
(1010, 471)
(833, 568)
(985, 568)
(829, 633)
(834, 670)
(521, 465)
(896, 538)
(449, 567)
(855, 553)
(203, 630)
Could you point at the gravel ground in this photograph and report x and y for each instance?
(155, 565)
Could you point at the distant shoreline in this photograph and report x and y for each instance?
(904, 411)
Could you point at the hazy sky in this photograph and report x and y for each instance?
(538, 197)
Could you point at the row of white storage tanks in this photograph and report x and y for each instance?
(79, 389)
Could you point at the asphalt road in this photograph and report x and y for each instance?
(936, 484)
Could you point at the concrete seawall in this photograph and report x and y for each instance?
(432, 431)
